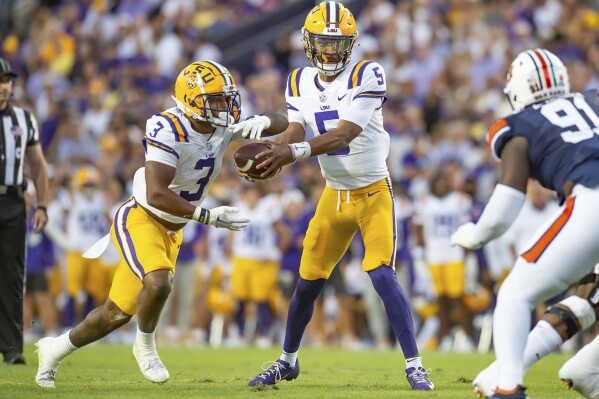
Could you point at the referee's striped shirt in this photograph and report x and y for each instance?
(18, 131)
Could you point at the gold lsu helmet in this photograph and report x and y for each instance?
(329, 34)
(86, 176)
(206, 91)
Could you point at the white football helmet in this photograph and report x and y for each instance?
(535, 75)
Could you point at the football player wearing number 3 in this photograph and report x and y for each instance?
(184, 151)
(341, 101)
(551, 137)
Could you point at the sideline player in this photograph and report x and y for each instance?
(551, 137)
(341, 102)
(436, 217)
(184, 151)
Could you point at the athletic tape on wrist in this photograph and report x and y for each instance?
(201, 215)
(300, 150)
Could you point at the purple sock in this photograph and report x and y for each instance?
(89, 306)
(240, 316)
(300, 312)
(264, 319)
(68, 313)
(397, 308)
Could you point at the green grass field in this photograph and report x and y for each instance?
(109, 371)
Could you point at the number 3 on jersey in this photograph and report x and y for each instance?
(321, 118)
(568, 113)
(201, 164)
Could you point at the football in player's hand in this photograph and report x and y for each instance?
(245, 158)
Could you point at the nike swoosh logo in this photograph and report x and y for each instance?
(371, 194)
(342, 97)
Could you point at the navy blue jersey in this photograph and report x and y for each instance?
(562, 135)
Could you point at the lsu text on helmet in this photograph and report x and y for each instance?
(329, 34)
(206, 91)
(535, 75)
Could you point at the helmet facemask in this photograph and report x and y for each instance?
(329, 54)
(206, 91)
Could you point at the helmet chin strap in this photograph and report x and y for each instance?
(224, 118)
(332, 72)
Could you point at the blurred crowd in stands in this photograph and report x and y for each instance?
(93, 71)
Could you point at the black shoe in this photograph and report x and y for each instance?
(13, 358)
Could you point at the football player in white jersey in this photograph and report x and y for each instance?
(341, 102)
(437, 216)
(256, 256)
(86, 222)
(184, 150)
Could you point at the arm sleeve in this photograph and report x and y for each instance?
(292, 96)
(160, 143)
(369, 95)
(499, 214)
(499, 133)
(33, 135)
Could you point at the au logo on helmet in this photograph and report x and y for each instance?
(535, 75)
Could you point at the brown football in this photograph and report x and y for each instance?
(245, 158)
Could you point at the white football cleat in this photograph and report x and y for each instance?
(47, 365)
(581, 372)
(150, 364)
(486, 381)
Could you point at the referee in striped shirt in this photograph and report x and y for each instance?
(19, 143)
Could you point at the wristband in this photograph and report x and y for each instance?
(201, 215)
(42, 208)
(300, 150)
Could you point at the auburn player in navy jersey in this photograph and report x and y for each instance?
(551, 137)
(341, 102)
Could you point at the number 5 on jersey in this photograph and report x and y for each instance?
(321, 118)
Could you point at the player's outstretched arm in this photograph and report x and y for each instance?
(281, 154)
(505, 202)
(158, 178)
(266, 124)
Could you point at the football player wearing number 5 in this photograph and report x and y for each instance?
(551, 137)
(341, 101)
(184, 151)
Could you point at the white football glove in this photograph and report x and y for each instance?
(252, 127)
(465, 236)
(222, 216)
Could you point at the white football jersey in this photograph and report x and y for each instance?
(197, 158)
(258, 241)
(86, 220)
(356, 95)
(440, 218)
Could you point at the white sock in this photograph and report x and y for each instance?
(511, 322)
(62, 346)
(146, 340)
(414, 362)
(290, 358)
(542, 340)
